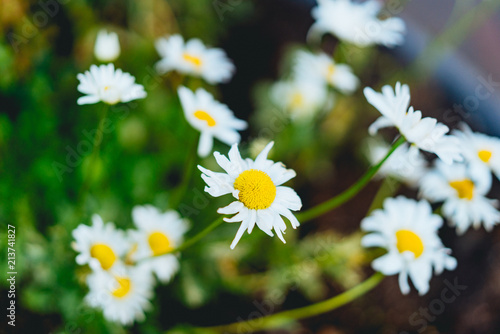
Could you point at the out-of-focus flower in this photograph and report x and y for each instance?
(100, 245)
(407, 229)
(257, 186)
(406, 164)
(356, 23)
(426, 133)
(107, 46)
(211, 118)
(193, 58)
(321, 67)
(157, 233)
(479, 148)
(108, 85)
(123, 295)
(463, 189)
(302, 99)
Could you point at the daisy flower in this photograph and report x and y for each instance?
(356, 23)
(211, 118)
(407, 229)
(108, 85)
(479, 148)
(406, 164)
(193, 58)
(100, 245)
(322, 67)
(107, 46)
(302, 99)
(157, 233)
(463, 189)
(122, 295)
(426, 133)
(257, 187)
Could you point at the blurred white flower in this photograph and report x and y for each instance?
(107, 46)
(463, 189)
(257, 186)
(356, 23)
(100, 245)
(211, 118)
(193, 58)
(479, 148)
(123, 295)
(108, 85)
(426, 133)
(157, 233)
(321, 67)
(407, 229)
(301, 98)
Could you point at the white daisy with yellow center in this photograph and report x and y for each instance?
(257, 186)
(463, 189)
(100, 246)
(426, 133)
(479, 148)
(107, 46)
(356, 23)
(157, 234)
(407, 229)
(211, 118)
(193, 58)
(108, 85)
(321, 67)
(123, 295)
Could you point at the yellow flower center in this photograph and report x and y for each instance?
(104, 254)
(159, 243)
(124, 286)
(485, 155)
(330, 70)
(297, 100)
(106, 88)
(196, 61)
(409, 241)
(257, 190)
(204, 116)
(464, 188)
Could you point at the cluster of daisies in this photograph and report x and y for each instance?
(125, 265)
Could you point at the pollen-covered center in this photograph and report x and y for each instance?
(464, 188)
(204, 116)
(297, 100)
(330, 70)
(196, 61)
(104, 254)
(159, 243)
(409, 241)
(485, 155)
(123, 288)
(257, 189)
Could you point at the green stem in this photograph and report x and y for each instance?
(343, 197)
(186, 178)
(285, 317)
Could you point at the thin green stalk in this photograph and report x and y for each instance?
(285, 317)
(188, 173)
(343, 197)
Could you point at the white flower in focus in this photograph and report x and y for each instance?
(211, 118)
(426, 133)
(407, 229)
(406, 164)
(321, 67)
(356, 23)
(479, 148)
(100, 245)
(108, 85)
(193, 58)
(302, 99)
(463, 189)
(257, 186)
(107, 46)
(157, 234)
(123, 295)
